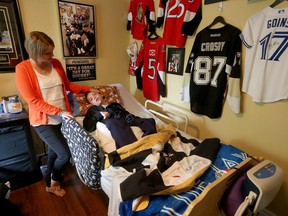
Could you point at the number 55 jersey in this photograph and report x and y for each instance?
(214, 64)
(265, 36)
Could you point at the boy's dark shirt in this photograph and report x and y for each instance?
(93, 115)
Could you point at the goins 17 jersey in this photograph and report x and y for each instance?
(151, 68)
(179, 18)
(214, 58)
(141, 14)
(265, 36)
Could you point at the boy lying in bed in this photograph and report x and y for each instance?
(117, 120)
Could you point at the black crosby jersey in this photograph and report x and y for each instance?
(214, 58)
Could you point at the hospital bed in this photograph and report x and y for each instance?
(204, 193)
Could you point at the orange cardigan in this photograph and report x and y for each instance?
(28, 86)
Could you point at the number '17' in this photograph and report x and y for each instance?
(265, 43)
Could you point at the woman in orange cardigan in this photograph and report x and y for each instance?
(42, 82)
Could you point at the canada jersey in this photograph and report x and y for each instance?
(265, 36)
(141, 12)
(214, 58)
(179, 19)
(152, 56)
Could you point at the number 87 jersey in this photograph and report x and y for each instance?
(214, 64)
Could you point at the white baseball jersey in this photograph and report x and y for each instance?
(265, 36)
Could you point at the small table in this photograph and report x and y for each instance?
(13, 119)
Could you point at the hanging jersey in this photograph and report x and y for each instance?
(214, 58)
(132, 51)
(265, 36)
(179, 19)
(151, 68)
(140, 14)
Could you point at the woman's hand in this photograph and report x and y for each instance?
(105, 114)
(66, 115)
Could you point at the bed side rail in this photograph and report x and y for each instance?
(168, 113)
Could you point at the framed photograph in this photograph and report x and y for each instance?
(77, 23)
(175, 60)
(12, 49)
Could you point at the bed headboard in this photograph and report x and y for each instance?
(168, 113)
(165, 112)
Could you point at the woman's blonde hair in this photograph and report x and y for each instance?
(36, 44)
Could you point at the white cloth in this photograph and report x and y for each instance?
(111, 178)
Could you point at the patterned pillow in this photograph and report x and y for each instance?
(110, 93)
(80, 105)
(84, 105)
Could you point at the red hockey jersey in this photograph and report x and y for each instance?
(179, 18)
(151, 68)
(140, 14)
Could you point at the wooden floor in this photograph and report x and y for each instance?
(79, 200)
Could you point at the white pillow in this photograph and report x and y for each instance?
(105, 139)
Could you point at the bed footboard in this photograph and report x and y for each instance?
(208, 201)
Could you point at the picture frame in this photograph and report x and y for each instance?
(12, 49)
(175, 60)
(77, 26)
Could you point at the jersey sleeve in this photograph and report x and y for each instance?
(161, 71)
(234, 89)
(161, 13)
(246, 35)
(129, 17)
(185, 91)
(140, 14)
(151, 16)
(139, 67)
(195, 49)
(193, 17)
